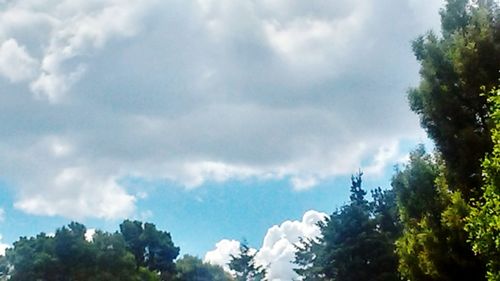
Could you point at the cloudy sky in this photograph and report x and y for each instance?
(227, 118)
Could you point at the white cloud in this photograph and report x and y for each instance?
(303, 183)
(53, 85)
(221, 255)
(386, 154)
(74, 193)
(3, 247)
(200, 91)
(277, 251)
(73, 29)
(15, 62)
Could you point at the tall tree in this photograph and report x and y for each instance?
(244, 265)
(449, 102)
(484, 220)
(456, 69)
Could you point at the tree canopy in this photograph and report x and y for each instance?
(190, 268)
(107, 256)
(449, 100)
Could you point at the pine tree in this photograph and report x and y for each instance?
(244, 265)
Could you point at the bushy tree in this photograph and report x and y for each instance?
(433, 243)
(152, 248)
(484, 220)
(113, 260)
(449, 102)
(434, 199)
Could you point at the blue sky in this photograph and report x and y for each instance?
(213, 119)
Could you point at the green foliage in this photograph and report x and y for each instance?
(151, 248)
(449, 100)
(433, 243)
(191, 268)
(69, 256)
(434, 199)
(484, 219)
(356, 241)
(113, 260)
(308, 258)
(244, 265)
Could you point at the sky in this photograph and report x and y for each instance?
(216, 120)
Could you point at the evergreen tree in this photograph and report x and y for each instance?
(356, 243)
(308, 258)
(244, 265)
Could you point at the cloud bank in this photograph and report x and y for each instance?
(197, 91)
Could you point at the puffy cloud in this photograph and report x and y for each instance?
(277, 251)
(15, 62)
(221, 255)
(108, 201)
(72, 29)
(200, 91)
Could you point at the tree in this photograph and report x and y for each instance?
(31, 259)
(356, 242)
(76, 256)
(484, 219)
(131, 232)
(432, 246)
(152, 248)
(449, 102)
(244, 265)
(113, 260)
(190, 268)
(456, 68)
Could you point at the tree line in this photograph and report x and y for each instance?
(438, 221)
(138, 252)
